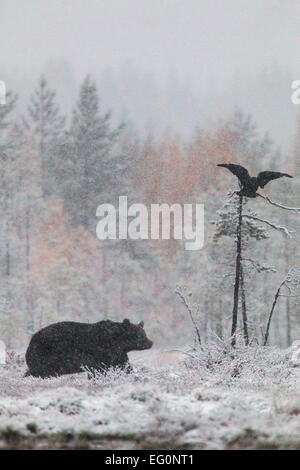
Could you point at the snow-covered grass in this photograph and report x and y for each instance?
(172, 400)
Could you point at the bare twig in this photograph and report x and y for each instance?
(185, 303)
(272, 311)
(281, 228)
(288, 296)
(259, 267)
(293, 278)
(277, 204)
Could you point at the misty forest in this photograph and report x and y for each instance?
(219, 367)
(56, 173)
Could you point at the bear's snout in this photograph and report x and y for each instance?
(148, 344)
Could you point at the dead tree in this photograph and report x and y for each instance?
(244, 308)
(237, 270)
(233, 222)
(291, 281)
(193, 310)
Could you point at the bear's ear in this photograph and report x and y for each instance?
(126, 322)
(141, 324)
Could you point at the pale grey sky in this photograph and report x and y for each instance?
(196, 37)
(205, 43)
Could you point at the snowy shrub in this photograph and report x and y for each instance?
(214, 398)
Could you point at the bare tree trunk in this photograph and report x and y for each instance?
(244, 308)
(237, 271)
(288, 323)
(219, 328)
(206, 319)
(288, 307)
(271, 313)
(265, 283)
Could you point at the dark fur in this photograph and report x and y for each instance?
(67, 347)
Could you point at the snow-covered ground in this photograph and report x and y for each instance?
(171, 401)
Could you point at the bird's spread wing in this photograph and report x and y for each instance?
(238, 171)
(264, 177)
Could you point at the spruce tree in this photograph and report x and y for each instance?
(91, 169)
(9, 142)
(6, 142)
(242, 227)
(47, 124)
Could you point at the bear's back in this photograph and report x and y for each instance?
(62, 331)
(69, 335)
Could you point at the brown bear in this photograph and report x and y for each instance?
(69, 347)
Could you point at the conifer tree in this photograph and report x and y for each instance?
(242, 226)
(47, 124)
(91, 167)
(6, 142)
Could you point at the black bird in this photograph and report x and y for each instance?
(249, 185)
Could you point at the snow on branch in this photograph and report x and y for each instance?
(277, 204)
(281, 228)
(260, 267)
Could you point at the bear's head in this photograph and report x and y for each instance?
(134, 337)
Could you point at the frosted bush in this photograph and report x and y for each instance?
(214, 398)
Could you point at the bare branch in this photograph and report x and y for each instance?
(271, 312)
(259, 267)
(288, 296)
(292, 277)
(281, 228)
(185, 303)
(294, 209)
